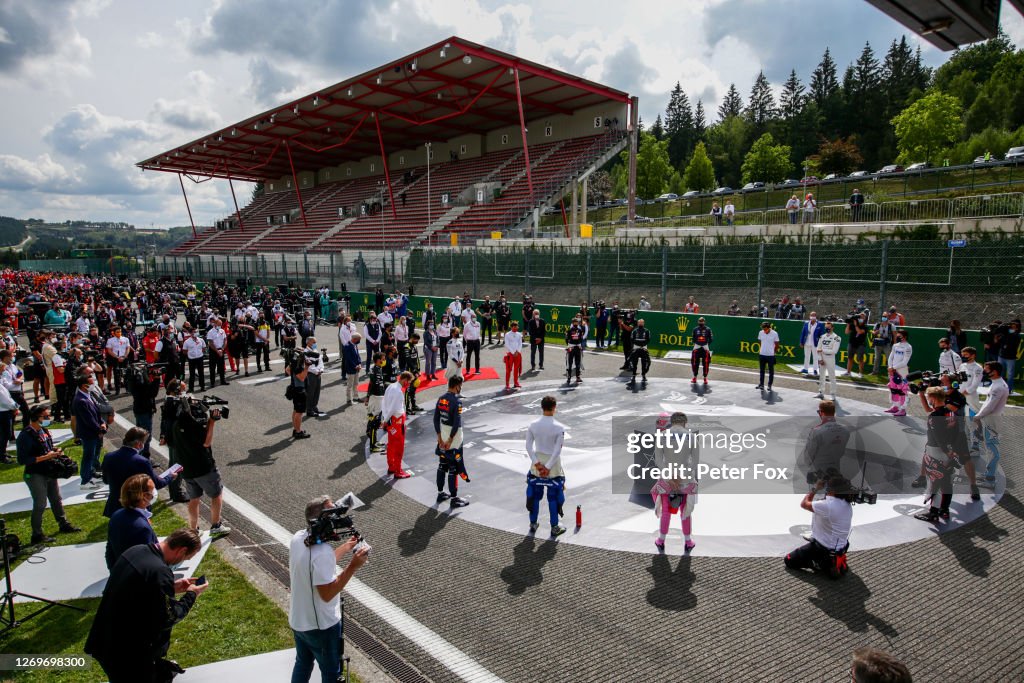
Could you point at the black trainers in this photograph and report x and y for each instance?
(557, 530)
(975, 494)
(918, 483)
(300, 435)
(458, 502)
(39, 539)
(442, 496)
(69, 529)
(930, 516)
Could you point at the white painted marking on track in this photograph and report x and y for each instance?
(449, 656)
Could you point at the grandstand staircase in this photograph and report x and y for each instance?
(534, 163)
(440, 224)
(338, 227)
(255, 239)
(203, 241)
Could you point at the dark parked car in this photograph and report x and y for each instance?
(1014, 155)
(723, 190)
(691, 194)
(636, 219)
(790, 182)
(890, 168)
(753, 187)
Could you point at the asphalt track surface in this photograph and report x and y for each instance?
(532, 609)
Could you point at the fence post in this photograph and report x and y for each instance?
(664, 277)
(474, 272)
(590, 253)
(760, 271)
(883, 276)
(430, 267)
(526, 270)
(332, 272)
(362, 273)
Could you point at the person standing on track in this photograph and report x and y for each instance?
(544, 440)
(701, 353)
(448, 427)
(513, 355)
(768, 339)
(828, 346)
(392, 417)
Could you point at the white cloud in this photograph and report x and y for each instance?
(186, 115)
(17, 173)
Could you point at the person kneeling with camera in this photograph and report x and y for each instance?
(314, 612)
(830, 528)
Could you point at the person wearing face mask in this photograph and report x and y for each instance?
(90, 428)
(828, 346)
(504, 315)
(169, 353)
(881, 341)
(456, 356)
(430, 350)
(1008, 339)
(375, 389)
(939, 459)
(574, 350)
(472, 335)
(262, 344)
(35, 449)
(195, 349)
(536, 330)
(117, 348)
(217, 340)
(639, 338)
(949, 360)
(857, 339)
(899, 362)
(809, 336)
(444, 335)
(401, 340)
(700, 355)
(126, 462)
(306, 327)
(314, 371)
(129, 524)
(988, 421)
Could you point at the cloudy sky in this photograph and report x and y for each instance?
(93, 86)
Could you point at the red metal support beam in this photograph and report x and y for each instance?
(387, 174)
(182, 183)
(522, 128)
(241, 226)
(295, 179)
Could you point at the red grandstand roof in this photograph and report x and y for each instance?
(440, 92)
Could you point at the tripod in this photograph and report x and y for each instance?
(7, 618)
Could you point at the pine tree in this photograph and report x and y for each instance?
(679, 126)
(824, 83)
(761, 107)
(732, 105)
(791, 102)
(700, 124)
(658, 129)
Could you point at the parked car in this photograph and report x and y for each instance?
(667, 197)
(1015, 155)
(859, 174)
(993, 159)
(809, 180)
(624, 218)
(790, 182)
(723, 190)
(832, 176)
(919, 166)
(754, 186)
(692, 194)
(890, 168)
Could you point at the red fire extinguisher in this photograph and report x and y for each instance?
(579, 516)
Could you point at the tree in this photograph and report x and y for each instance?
(732, 105)
(839, 156)
(766, 161)
(652, 167)
(824, 82)
(761, 106)
(700, 124)
(700, 173)
(599, 187)
(928, 126)
(791, 102)
(658, 129)
(726, 146)
(678, 126)
(257, 191)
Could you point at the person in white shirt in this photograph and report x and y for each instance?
(314, 610)
(194, 348)
(544, 440)
(513, 355)
(467, 315)
(456, 354)
(729, 212)
(392, 419)
(989, 418)
(810, 206)
(831, 524)
(217, 341)
(385, 317)
(644, 304)
(314, 370)
(455, 309)
(401, 340)
(949, 360)
(346, 328)
(444, 335)
(974, 377)
(826, 350)
(82, 324)
(117, 350)
(768, 340)
(471, 333)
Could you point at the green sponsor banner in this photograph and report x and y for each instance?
(733, 335)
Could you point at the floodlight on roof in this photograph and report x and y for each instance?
(316, 100)
(466, 59)
(444, 50)
(350, 91)
(234, 132)
(380, 79)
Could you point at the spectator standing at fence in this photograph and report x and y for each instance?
(856, 205)
(897, 318)
(810, 206)
(956, 336)
(692, 306)
(716, 213)
(881, 341)
(734, 309)
(1008, 339)
(797, 310)
(792, 208)
(729, 212)
(644, 304)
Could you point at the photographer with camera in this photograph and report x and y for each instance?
(314, 611)
(44, 464)
(193, 442)
(881, 341)
(295, 367)
(168, 414)
(144, 386)
(831, 524)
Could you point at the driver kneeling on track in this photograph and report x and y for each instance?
(830, 528)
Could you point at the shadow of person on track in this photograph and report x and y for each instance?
(672, 588)
(845, 600)
(430, 523)
(528, 559)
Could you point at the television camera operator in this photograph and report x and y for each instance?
(143, 383)
(192, 438)
(296, 366)
(831, 523)
(314, 611)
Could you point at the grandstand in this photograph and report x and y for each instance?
(456, 139)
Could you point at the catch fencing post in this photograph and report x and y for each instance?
(664, 277)
(760, 272)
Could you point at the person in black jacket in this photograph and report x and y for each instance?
(130, 526)
(536, 328)
(639, 355)
(131, 633)
(144, 386)
(35, 449)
